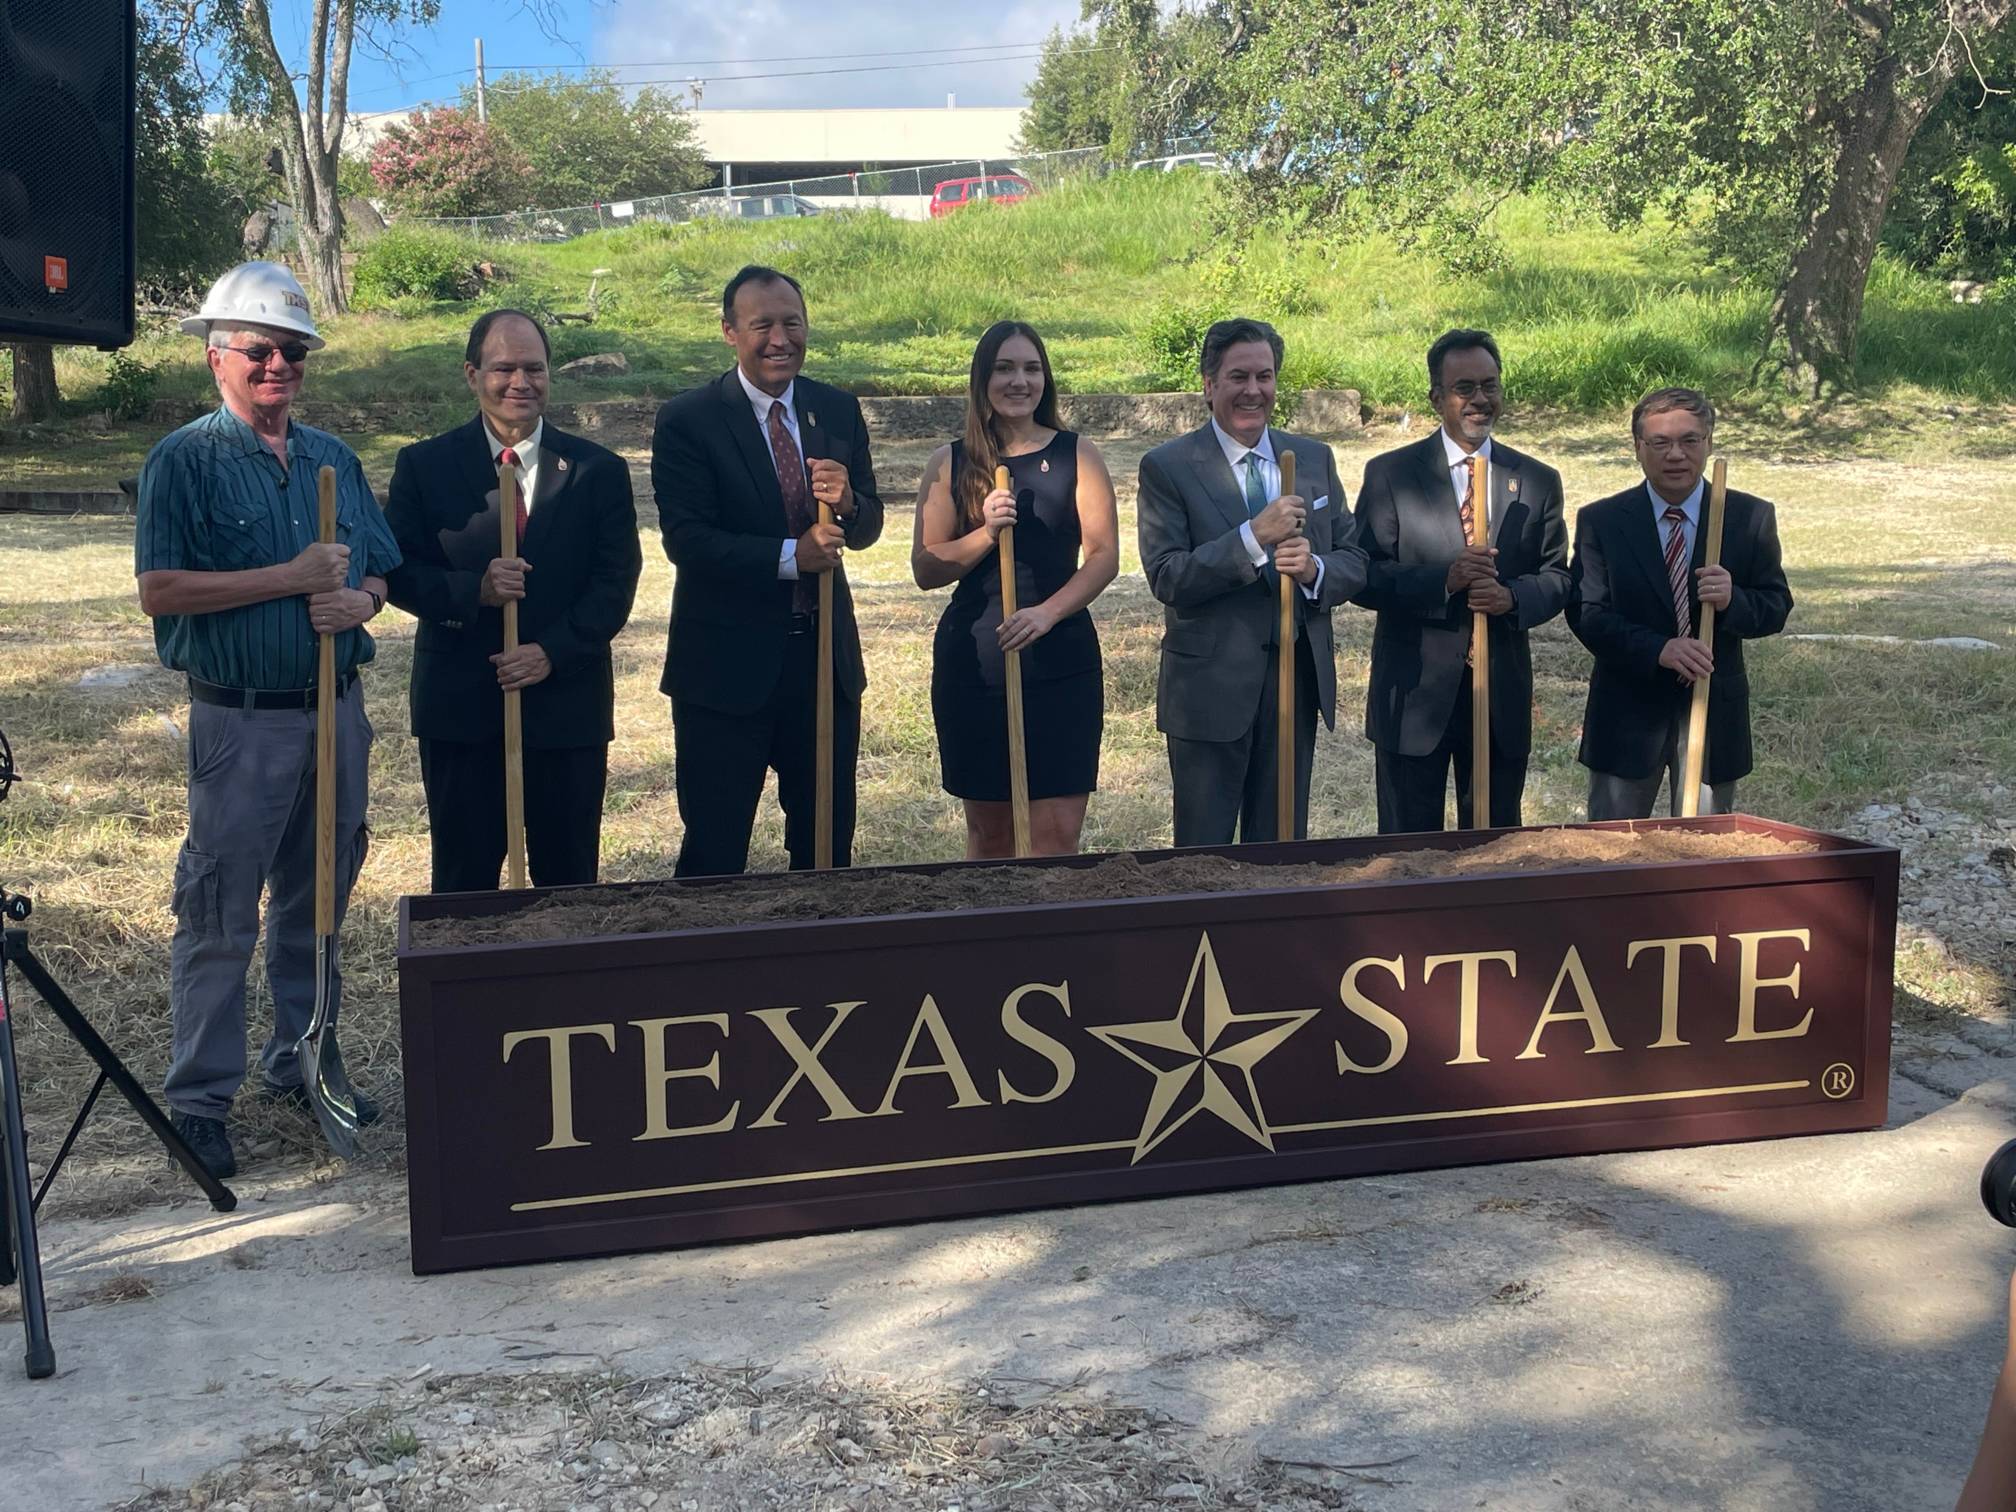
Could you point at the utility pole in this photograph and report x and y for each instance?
(482, 101)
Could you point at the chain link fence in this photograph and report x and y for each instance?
(906, 193)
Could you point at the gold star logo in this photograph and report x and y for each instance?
(1202, 1059)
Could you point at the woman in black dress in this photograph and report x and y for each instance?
(1061, 500)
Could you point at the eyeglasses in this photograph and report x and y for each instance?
(1663, 444)
(1470, 388)
(294, 353)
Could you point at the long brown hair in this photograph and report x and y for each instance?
(982, 441)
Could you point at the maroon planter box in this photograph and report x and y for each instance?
(645, 1091)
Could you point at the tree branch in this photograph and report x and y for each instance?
(318, 61)
(259, 27)
(339, 73)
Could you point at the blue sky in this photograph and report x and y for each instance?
(668, 41)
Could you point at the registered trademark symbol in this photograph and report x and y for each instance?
(1838, 1080)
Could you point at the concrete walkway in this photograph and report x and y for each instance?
(1802, 1326)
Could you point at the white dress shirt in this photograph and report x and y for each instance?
(1264, 462)
(762, 404)
(527, 452)
(1691, 504)
(1459, 475)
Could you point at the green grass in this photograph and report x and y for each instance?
(1589, 317)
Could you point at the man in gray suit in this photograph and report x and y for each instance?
(1215, 543)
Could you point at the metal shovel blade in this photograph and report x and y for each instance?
(322, 1073)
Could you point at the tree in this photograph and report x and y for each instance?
(1071, 98)
(1780, 128)
(589, 142)
(187, 214)
(1138, 79)
(1954, 212)
(446, 162)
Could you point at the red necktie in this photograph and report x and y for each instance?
(798, 517)
(1676, 566)
(510, 459)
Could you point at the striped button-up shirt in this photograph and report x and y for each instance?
(214, 498)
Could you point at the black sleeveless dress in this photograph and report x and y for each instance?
(1063, 684)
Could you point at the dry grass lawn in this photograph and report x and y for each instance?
(1912, 548)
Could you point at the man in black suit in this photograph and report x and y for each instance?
(739, 467)
(1427, 582)
(574, 578)
(1640, 582)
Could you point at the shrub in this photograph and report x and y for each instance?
(1174, 337)
(128, 390)
(416, 261)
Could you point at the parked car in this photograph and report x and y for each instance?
(756, 206)
(1203, 162)
(1002, 188)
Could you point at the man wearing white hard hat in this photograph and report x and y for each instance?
(232, 572)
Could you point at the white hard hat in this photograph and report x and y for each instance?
(257, 293)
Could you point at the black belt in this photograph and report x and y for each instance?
(263, 698)
(803, 624)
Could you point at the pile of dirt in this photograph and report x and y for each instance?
(655, 907)
(726, 1439)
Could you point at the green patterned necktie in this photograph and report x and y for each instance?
(1256, 489)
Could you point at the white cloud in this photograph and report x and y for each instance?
(806, 34)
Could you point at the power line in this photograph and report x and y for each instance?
(806, 73)
(899, 52)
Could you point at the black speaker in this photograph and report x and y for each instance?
(67, 257)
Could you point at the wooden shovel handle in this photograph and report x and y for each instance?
(514, 711)
(1018, 750)
(1284, 680)
(822, 729)
(1480, 656)
(1697, 709)
(325, 731)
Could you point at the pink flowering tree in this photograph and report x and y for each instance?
(445, 162)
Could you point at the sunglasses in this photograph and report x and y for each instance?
(294, 353)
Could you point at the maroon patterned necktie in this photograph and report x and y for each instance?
(510, 459)
(798, 517)
(1676, 566)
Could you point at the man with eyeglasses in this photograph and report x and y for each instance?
(574, 577)
(230, 567)
(1640, 582)
(1427, 583)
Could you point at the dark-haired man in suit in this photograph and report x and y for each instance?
(1217, 536)
(574, 578)
(1640, 582)
(1427, 583)
(739, 467)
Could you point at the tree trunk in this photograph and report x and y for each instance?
(1817, 316)
(34, 382)
(322, 241)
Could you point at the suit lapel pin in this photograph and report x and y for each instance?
(561, 463)
(1511, 484)
(810, 418)
(1045, 467)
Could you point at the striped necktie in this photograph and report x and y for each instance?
(1676, 566)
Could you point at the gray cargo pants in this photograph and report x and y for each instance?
(252, 830)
